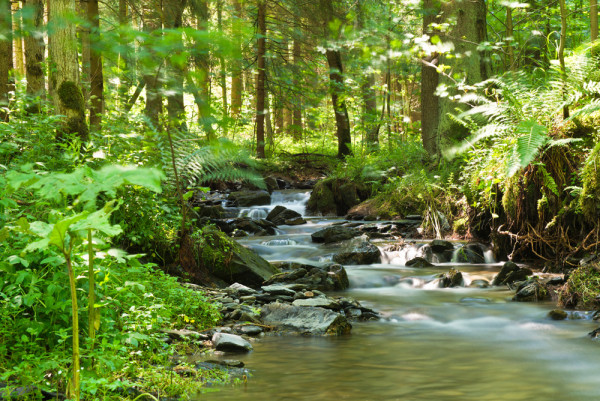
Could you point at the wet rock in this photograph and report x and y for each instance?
(229, 363)
(259, 227)
(479, 283)
(280, 214)
(511, 273)
(531, 291)
(296, 221)
(475, 300)
(321, 302)
(278, 289)
(334, 234)
(332, 277)
(305, 319)
(439, 246)
(470, 253)
(335, 197)
(240, 289)
(418, 262)
(211, 212)
(595, 333)
(363, 253)
(557, 314)
(249, 330)
(271, 183)
(453, 278)
(230, 343)
(249, 198)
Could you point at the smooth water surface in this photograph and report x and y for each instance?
(431, 344)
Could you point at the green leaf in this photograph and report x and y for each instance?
(533, 137)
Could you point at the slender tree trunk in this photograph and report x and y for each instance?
(173, 11)
(83, 35)
(67, 96)
(297, 106)
(260, 79)
(18, 48)
(223, 72)
(96, 75)
(237, 88)
(369, 95)
(593, 22)
(429, 83)
(509, 34)
(202, 63)
(152, 76)
(342, 122)
(5, 57)
(124, 60)
(34, 52)
(561, 50)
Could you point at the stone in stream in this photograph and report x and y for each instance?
(240, 289)
(363, 253)
(230, 343)
(249, 330)
(531, 291)
(557, 314)
(280, 214)
(334, 234)
(321, 302)
(332, 277)
(250, 198)
(418, 262)
(278, 289)
(305, 319)
(453, 278)
(296, 221)
(470, 253)
(439, 246)
(511, 273)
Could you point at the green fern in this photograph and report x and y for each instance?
(532, 139)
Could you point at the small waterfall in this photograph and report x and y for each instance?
(401, 256)
(294, 200)
(279, 242)
(488, 255)
(254, 213)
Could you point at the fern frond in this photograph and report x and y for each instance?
(533, 137)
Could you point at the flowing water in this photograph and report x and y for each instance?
(431, 344)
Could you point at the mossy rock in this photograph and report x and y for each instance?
(582, 289)
(335, 197)
(229, 261)
(589, 199)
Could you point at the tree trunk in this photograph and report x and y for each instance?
(260, 79)
(342, 122)
(561, 51)
(152, 76)
(202, 62)
(429, 82)
(67, 96)
(369, 96)
(593, 23)
(236, 72)
(297, 105)
(124, 60)
(19, 53)
(173, 11)
(96, 75)
(223, 72)
(34, 52)
(5, 57)
(509, 34)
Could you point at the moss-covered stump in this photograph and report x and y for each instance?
(229, 261)
(334, 197)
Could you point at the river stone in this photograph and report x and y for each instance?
(280, 214)
(278, 289)
(305, 319)
(242, 265)
(470, 253)
(418, 262)
(557, 314)
(511, 273)
(332, 277)
(321, 302)
(250, 198)
(439, 246)
(364, 253)
(296, 221)
(453, 278)
(530, 291)
(240, 289)
(250, 330)
(334, 234)
(230, 343)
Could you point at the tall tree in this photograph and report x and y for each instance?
(297, 105)
(237, 86)
(96, 76)
(18, 49)
(593, 21)
(336, 78)
(173, 12)
(369, 96)
(35, 49)
(261, 78)
(153, 68)
(5, 56)
(67, 96)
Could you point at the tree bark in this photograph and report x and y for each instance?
(236, 72)
(260, 79)
(202, 62)
(369, 96)
(173, 11)
(34, 52)
(223, 72)
(297, 106)
(509, 34)
(152, 75)
(561, 51)
(18, 47)
(593, 23)
(429, 83)
(5, 57)
(67, 96)
(342, 122)
(96, 75)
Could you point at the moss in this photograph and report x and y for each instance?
(589, 201)
(510, 197)
(461, 225)
(582, 288)
(71, 97)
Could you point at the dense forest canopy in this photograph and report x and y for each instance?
(117, 115)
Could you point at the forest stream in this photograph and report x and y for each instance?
(431, 344)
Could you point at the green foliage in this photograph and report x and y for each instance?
(582, 288)
(589, 199)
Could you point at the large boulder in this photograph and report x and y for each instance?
(531, 291)
(231, 262)
(250, 198)
(470, 253)
(305, 319)
(280, 215)
(334, 234)
(332, 277)
(230, 343)
(511, 273)
(258, 227)
(418, 262)
(453, 278)
(361, 253)
(334, 197)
